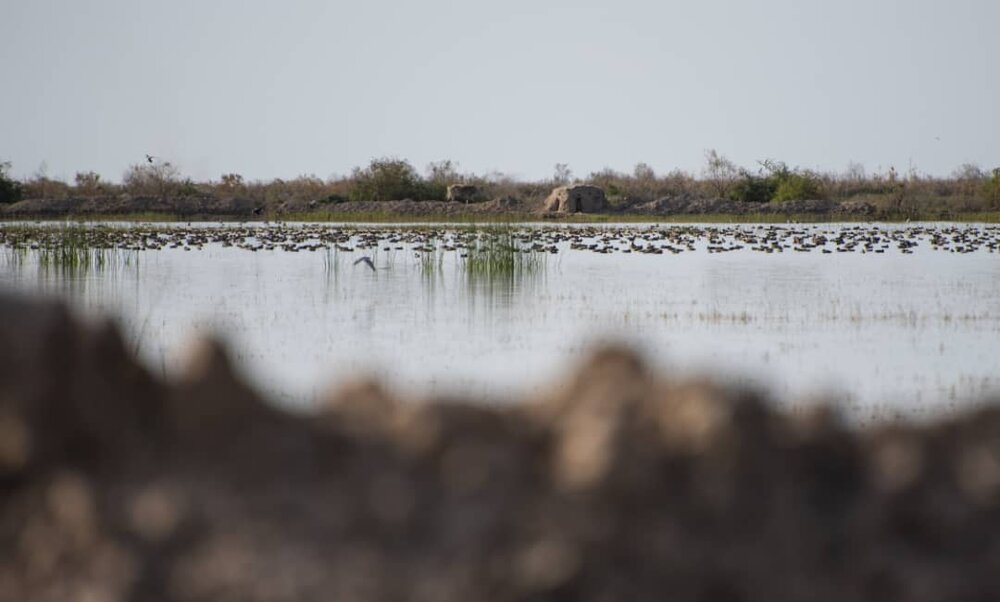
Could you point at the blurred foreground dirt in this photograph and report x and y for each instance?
(620, 485)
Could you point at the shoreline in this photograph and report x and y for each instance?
(202, 208)
(991, 217)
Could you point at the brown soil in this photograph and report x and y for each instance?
(243, 208)
(619, 485)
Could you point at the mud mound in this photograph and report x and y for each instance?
(621, 485)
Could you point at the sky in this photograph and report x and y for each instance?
(273, 89)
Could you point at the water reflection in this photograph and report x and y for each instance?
(911, 332)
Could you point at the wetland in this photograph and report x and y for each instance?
(893, 320)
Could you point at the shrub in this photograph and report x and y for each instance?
(752, 188)
(152, 179)
(991, 189)
(387, 179)
(440, 174)
(10, 189)
(88, 183)
(562, 174)
(797, 186)
(720, 173)
(335, 199)
(231, 182)
(44, 187)
(610, 181)
(776, 182)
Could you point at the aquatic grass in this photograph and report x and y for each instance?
(498, 252)
(430, 257)
(67, 249)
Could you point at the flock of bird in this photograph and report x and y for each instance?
(645, 239)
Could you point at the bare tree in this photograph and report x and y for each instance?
(88, 183)
(855, 172)
(152, 179)
(645, 181)
(443, 172)
(720, 173)
(563, 174)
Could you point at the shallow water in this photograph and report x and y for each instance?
(891, 333)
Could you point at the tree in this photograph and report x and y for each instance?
(232, 181)
(443, 172)
(152, 178)
(970, 178)
(386, 179)
(562, 174)
(645, 181)
(991, 189)
(10, 189)
(855, 172)
(720, 172)
(87, 183)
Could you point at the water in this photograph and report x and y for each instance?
(888, 333)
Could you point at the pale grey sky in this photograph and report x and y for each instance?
(278, 89)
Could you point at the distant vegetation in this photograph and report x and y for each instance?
(968, 189)
(10, 190)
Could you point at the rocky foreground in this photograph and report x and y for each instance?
(619, 485)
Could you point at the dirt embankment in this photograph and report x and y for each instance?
(619, 485)
(245, 208)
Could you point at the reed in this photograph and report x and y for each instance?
(498, 251)
(67, 249)
(430, 257)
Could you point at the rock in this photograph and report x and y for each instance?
(856, 207)
(622, 484)
(462, 193)
(576, 199)
(502, 203)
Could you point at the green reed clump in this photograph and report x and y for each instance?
(431, 257)
(498, 251)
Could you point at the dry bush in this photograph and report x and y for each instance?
(444, 172)
(561, 174)
(230, 184)
(153, 179)
(43, 187)
(88, 184)
(678, 183)
(719, 173)
(642, 185)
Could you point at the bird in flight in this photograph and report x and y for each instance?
(149, 158)
(365, 260)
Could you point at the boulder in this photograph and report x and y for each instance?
(462, 193)
(576, 199)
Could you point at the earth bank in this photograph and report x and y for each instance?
(618, 484)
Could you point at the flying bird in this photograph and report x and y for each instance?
(365, 260)
(258, 210)
(149, 158)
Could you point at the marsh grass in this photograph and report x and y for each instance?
(66, 249)
(497, 251)
(431, 257)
